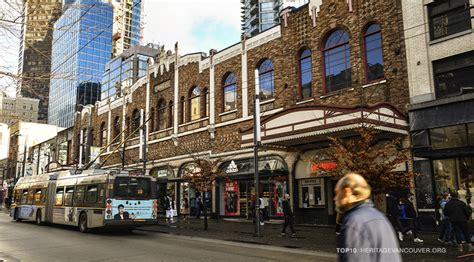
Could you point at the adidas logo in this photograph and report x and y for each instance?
(232, 168)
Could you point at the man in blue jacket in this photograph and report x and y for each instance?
(366, 234)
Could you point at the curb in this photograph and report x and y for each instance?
(254, 246)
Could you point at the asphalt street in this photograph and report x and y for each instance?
(25, 241)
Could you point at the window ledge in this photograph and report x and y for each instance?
(195, 121)
(161, 130)
(267, 101)
(228, 112)
(375, 83)
(337, 92)
(305, 101)
(445, 38)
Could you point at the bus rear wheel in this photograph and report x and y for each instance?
(83, 223)
(38, 218)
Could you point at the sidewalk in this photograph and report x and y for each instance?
(314, 238)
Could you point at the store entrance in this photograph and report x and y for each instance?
(246, 190)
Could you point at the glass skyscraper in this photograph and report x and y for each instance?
(123, 71)
(82, 45)
(259, 15)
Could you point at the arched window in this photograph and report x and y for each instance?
(373, 52)
(205, 103)
(306, 76)
(229, 92)
(194, 103)
(170, 114)
(135, 121)
(152, 120)
(182, 105)
(117, 127)
(161, 114)
(103, 134)
(266, 79)
(337, 61)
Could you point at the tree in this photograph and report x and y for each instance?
(375, 159)
(204, 169)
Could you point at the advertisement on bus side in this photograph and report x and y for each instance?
(130, 209)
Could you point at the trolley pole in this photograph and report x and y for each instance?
(256, 140)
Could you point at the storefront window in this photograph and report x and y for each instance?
(455, 175)
(311, 193)
(448, 137)
(231, 198)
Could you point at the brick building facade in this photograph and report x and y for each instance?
(317, 77)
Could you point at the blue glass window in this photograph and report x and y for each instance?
(305, 67)
(373, 52)
(266, 79)
(337, 64)
(230, 92)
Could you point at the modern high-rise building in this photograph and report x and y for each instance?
(123, 71)
(34, 63)
(127, 30)
(259, 15)
(82, 45)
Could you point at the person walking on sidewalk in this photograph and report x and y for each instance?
(289, 217)
(366, 234)
(169, 205)
(459, 213)
(409, 217)
(185, 209)
(445, 228)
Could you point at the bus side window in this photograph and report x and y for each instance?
(91, 194)
(102, 189)
(38, 196)
(31, 196)
(79, 195)
(24, 196)
(18, 195)
(68, 196)
(59, 196)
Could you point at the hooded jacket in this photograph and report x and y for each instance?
(367, 236)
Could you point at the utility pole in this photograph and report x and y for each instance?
(256, 141)
(24, 159)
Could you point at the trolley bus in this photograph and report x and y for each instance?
(89, 199)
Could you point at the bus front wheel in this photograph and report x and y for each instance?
(83, 223)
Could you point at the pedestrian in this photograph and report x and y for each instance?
(393, 213)
(445, 228)
(289, 217)
(366, 234)
(185, 209)
(169, 205)
(198, 206)
(409, 217)
(266, 208)
(459, 213)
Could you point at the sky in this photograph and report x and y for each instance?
(198, 26)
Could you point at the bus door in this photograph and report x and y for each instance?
(50, 200)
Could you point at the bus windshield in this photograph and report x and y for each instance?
(132, 187)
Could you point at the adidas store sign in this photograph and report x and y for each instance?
(231, 168)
